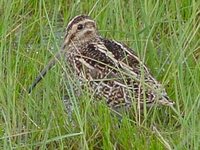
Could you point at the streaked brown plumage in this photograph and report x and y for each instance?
(112, 69)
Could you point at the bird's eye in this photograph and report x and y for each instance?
(80, 27)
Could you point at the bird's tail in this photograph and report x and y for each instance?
(164, 100)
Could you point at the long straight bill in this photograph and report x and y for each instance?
(41, 75)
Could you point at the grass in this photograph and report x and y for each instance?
(164, 34)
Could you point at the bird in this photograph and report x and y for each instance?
(111, 69)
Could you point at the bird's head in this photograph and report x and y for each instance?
(80, 29)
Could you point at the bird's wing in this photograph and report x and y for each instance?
(128, 61)
(114, 70)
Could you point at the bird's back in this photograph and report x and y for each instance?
(113, 71)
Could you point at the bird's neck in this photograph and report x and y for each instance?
(84, 41)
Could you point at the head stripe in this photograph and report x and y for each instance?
(76, 20)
